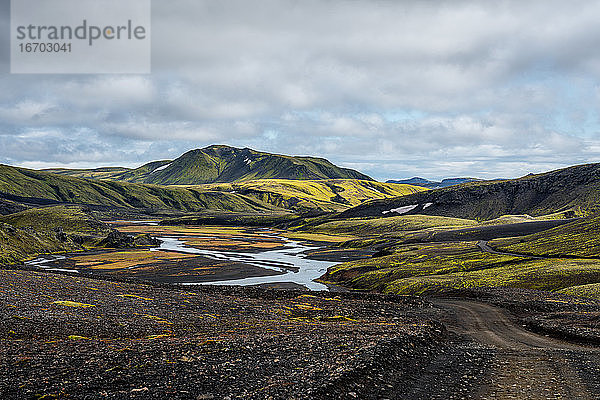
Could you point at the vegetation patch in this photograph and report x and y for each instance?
(317, 237)
(385, 226)
(25, 185)
(77, 337)
(437, 267)
(69, 219)
(549, 275)
(326, 195)
(377, 273)
(69, 303)
(580, 238)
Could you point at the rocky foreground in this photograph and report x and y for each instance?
(78, 338)
(71, 337)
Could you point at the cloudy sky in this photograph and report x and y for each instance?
(394, 89)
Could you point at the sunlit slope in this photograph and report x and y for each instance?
(387, 226)
(440, 267)
(29, 186)
(107, 173)
(26, 185)
(223, 164)
(328, 195)
(570, 191)
(579, 238)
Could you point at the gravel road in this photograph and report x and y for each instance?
(518, 364)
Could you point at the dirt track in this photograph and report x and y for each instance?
(485, 247)
(519, 364)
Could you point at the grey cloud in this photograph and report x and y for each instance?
(445, 87)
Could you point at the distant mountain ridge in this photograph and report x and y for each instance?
(426, 183)
(220, 164)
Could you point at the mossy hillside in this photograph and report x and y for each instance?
(29, 185)
(107, 173)
(19, 244)
(226, 164)
(414, 260)
(387, 226)
(137, 175)
(573, 191)
(580, 238)
(551, 275)
(71, 219)
(590, 290)
(439, 267)
(327, 195)
(426, 228)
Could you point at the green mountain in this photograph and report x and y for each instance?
(19, 186)
(570, 191)
(222, 164)
(27, 186)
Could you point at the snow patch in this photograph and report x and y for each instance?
(161, 168)
(401, 210)
(247, 161)
(427, 205)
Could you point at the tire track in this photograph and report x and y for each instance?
(525, 365)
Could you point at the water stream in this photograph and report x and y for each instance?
(290, 262)
(295, 266)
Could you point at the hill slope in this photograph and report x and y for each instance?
(327, 195)
(20, 185)
(222, 164)
(29, 186)
(572, 191)
(580, 238)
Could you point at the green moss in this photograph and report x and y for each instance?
(436, 267)
(69, 303)
(19, 244)
(580, 238)
(537, 274)
(415, 260)
(25, 183)
(386, 226)
(71, 219)
(590, 290)
(327, 195)
(77, 337)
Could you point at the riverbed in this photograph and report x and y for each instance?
(203, 256)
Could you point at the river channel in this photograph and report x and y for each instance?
(285, 261)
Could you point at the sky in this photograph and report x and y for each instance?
(394, 89)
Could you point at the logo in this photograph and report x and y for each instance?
(80, 36)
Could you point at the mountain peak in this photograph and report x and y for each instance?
(223, 163)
